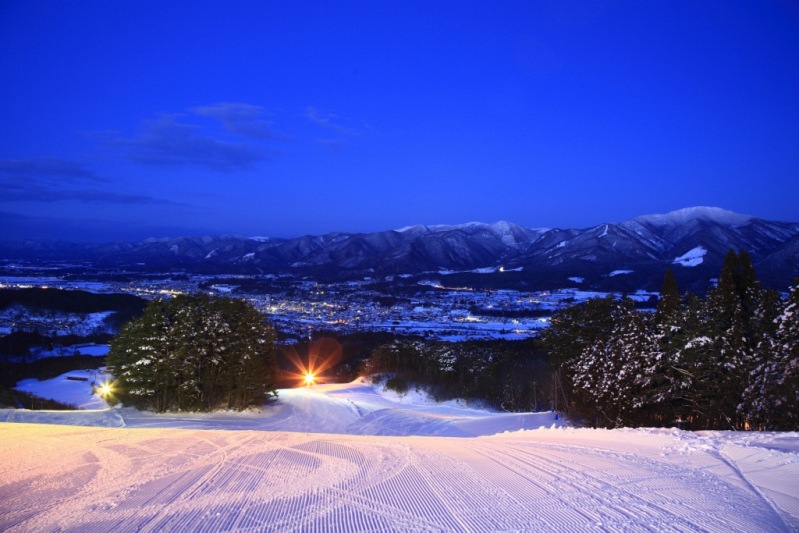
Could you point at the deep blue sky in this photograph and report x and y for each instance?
(128, 119)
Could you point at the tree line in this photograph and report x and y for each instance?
(126, 306)
(727, 360)
(510, 375)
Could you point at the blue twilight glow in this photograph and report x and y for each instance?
(127, 119)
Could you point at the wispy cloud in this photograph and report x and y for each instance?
(237, 137)
(329, 121)
(53, 180)
(169, 142)
(239, 118)
(48, 169)
(37, 193)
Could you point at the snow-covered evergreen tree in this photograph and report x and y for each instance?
(139, 360)
(579, 342)
(194, 353)
(734, 321)
(665, 380)
(771, 400)
(725, 361)
(615, 374)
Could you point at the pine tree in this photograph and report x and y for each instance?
(730, 308)
(578, 343)
(726, 361)
(665, 372)
(711, 353)
(643, 370)
(670, 302)
(786, 389)
(615, 373)
(138, 360)
(194, 353)
(771, 400)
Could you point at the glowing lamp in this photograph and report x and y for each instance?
(105, 389)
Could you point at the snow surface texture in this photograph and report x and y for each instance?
(308, 473)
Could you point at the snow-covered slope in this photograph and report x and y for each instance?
(359, 408)
(304, 474)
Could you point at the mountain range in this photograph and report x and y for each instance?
(625, 256)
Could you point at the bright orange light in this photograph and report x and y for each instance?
(322, 355)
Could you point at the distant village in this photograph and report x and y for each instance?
(299, 308)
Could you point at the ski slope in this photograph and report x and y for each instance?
(354, 458)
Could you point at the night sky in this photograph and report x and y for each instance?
(133, 119)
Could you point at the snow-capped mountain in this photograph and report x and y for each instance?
(630, 255)
(692, 242)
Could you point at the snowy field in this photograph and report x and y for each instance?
(355, 458)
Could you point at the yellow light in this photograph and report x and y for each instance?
(105, 389)
(309, 379)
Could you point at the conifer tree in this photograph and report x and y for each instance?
(736, 320)
(616, 373)
(577, 340)
(726, 361)
(771, 400)
(194, 353)
(669, 322)
(670, 302)
(786, 375)
(139, 360)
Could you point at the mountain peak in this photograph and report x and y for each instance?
(682, 216)
(442, 227)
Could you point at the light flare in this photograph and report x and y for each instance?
(105, 389)
(323, 354)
